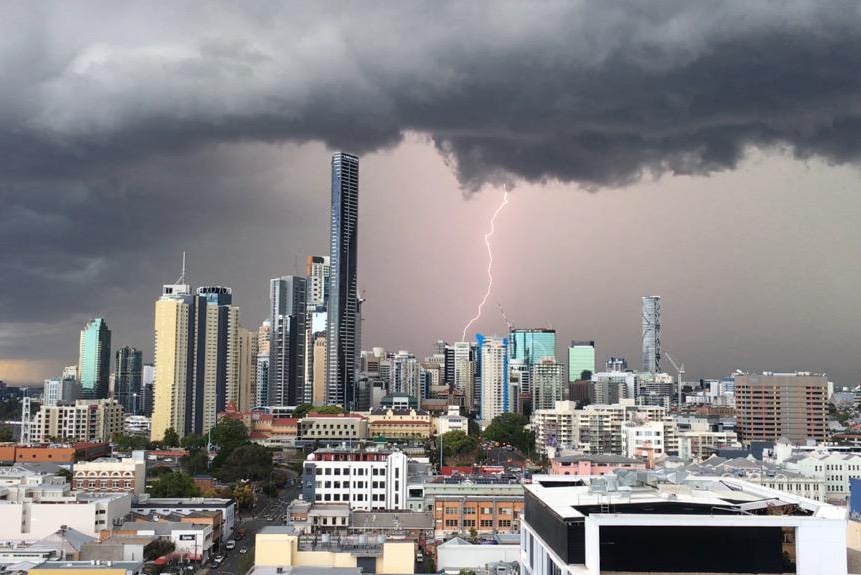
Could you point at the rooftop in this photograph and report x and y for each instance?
(668, 494)
(73, 565)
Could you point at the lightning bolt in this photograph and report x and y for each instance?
(487, 243)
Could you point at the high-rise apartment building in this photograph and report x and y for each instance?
(180, 345)
(319, 373)
(94, 363)
(652, 334)
(546, 383)
(532, 345)
(495, 393)
(288, 298)
(616, 364)
(248, 355)
(148, 389)
(318, 280)
(128, 380)
(221, 358)
(774, 405)
(343, 304)
(463, 368)
(581, 357)
(404, 374)
(264, 336)
(93, 420)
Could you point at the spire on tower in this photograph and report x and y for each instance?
(181, 279)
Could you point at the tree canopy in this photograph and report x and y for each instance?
(510, 428)
(126, 443)
(249, 461)
(457, 442)
(302, 410)
(171, 438)
(174, 484)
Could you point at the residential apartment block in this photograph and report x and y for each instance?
(85, 420)
(367, 479)
(774, 405)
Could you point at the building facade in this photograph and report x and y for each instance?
(88, 420)
(546, 383)
(367, 479)
(288, 299)
(94, 360)
(111, 475)
(774, 405)
(651, 334)
(581, 357)
(221, 358)
(495, 392)
(343, 306)
(128, 382)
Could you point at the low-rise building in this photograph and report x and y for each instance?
(191, 541)
(399, 424)
(699, 444)
(137, 425)
(836, 469)
(279, 550)
(694, 525)
(111, 475)
(30, 519)
(366, 478)
(452, 421)
(223, 511)
(333, 427)
(88, 568)
(461, 505)
(583, 464)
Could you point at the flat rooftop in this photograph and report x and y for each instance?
(649, 493)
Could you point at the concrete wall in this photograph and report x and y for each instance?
(398, 558)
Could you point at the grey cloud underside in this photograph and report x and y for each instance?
(109, 113)
(596, 93)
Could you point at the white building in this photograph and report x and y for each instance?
(94, 420)
(404, 374)
(452, 421)
(367, 479)
(137, 425)
(611, 387)
(33, 519)
(835, 468)
(193, 541)
(643, 439)
(494, 379)
(695, 525)
(161, 506)
(111, 475)
(20, 483)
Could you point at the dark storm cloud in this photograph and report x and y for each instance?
(597, 93)
(109, 112)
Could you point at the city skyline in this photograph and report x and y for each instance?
(738, 212)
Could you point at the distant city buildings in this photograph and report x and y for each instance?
(343, 305)
(546, 383)
(94, 360)
(318, 280)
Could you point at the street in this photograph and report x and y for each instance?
(269, 511)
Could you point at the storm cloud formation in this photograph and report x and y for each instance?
(97, 98)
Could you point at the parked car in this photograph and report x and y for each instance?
(231, 545)
(243, 551)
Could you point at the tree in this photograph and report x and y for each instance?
(457, 442)
(6, 435)
(585, 375)
(195, 462)
(510, 428)
(159, 471)
(193, 441)
(250, 461)
(174, 484)
(158, 548)
(171, 437)
(228, 434)
(126, 443)
(473, 427)
(243, 495)
(328, 409)
(302, 410)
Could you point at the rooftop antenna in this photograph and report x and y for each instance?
(181, 280)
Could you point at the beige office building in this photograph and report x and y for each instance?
(93, 420)
(774, 405)
(172, 315)
(248, 350)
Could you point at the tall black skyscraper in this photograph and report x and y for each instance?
(343, 297)
(128, 389)
(288, 298)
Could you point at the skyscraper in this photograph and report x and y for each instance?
(581, 357)
(180, 345)
(495, 391)
(248, 351)
(94, 363)
(343, 294)
(264, 335)
(128, 383)
(288, 298)
(774, 405)
(526, 348)
(318, 280)
(404, 375)
(463, 372)
(221, 354)
(652, 334)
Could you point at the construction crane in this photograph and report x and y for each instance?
(504, 316)
(680, 370)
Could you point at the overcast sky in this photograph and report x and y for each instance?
(706, 152)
